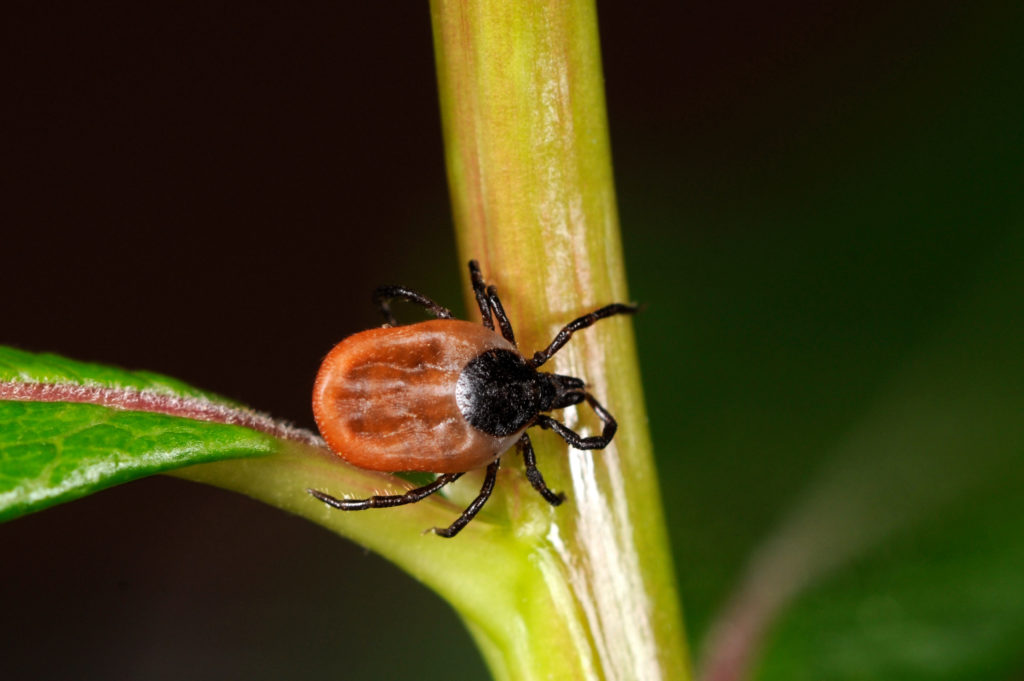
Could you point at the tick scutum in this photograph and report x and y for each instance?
(500, 394)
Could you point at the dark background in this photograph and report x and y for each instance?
(211, 190)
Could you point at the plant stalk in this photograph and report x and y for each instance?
(529, 165)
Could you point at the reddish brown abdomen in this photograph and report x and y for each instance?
(384, 399)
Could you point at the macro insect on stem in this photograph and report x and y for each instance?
(446, 396)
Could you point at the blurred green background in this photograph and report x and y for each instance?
(821, 206)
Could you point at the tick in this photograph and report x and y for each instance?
(446, 396)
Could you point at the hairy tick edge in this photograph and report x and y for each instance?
(446, 396)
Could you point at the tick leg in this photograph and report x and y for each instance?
(480, 291)
(575, 325)
(478, 503)
(503, 318)
(534, 476)
(499, 312)
(383, 296)
(574, 439)
(487, 300)
(386, 501)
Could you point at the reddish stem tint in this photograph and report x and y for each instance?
(157, 402)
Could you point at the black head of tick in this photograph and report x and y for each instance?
(499, 393)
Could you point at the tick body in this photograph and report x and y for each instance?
(388, 399)
(446, 396)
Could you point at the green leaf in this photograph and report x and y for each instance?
(941, 604)
(855, 413)
(908, 546)
(27, 367)
(56, 451)
(81, 439)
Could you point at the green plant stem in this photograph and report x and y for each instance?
(585, 590)
(529, 165)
